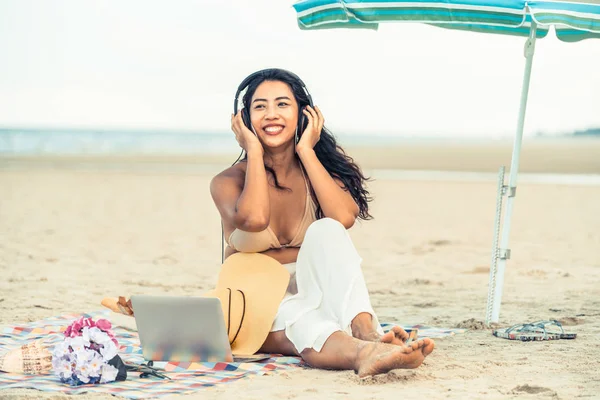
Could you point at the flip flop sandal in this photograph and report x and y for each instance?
(525, 333)
(545, 324)
(412, 335)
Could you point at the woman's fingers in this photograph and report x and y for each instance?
(234, 120)
(235, 127)
(237, 119)
(308, 115)
(321, 119)
(316, 121)
(244, 135)
(312, 112)
(239, 123)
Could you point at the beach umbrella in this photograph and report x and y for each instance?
(573, 21)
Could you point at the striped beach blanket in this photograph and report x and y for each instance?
(185, 377)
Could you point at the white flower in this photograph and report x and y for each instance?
(109, 350)
(95, 365)
(98, 336)
(71, 357)
(62, 360)
(60, 349)
(62, 368)
(82, 368)
(109, 373)
(84, 356)
(85, 333)
(57, 362)
(78, 343)
(82, 375)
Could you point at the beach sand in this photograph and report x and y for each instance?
(72, 233)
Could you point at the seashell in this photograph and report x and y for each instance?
(32, 358)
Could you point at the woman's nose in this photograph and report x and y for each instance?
(271, 112)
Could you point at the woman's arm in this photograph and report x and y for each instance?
(335, 201)
(243, 202)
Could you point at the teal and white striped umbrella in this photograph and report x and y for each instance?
(573, 21)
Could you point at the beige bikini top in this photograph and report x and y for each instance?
(257, 242)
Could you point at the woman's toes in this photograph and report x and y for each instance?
(416, 344)
(396, 336)
(428, 347)
(400, 333)
(425, 345)
(387, 337)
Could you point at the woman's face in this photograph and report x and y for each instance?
(274, 113)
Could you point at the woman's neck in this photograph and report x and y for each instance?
(283, 162)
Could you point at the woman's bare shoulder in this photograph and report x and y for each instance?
(233, 175)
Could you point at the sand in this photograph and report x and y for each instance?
(70, 235)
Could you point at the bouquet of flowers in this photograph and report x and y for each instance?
(88, 354)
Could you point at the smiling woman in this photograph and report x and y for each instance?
(295, 110)
(292, 197)
(273, 115)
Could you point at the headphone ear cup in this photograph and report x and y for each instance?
(302, 122)
(246, 119)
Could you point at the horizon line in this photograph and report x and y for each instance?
(217, 132)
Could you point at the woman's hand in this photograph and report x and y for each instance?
(312, 133)
(244, 136)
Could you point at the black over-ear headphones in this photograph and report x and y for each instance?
(302, 120)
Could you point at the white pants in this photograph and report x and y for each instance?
(331, 289)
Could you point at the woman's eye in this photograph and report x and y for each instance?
(259, 106)
(283, 104)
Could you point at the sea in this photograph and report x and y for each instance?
(30, 142)
(110, 142)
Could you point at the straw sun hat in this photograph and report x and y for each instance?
(250, 287)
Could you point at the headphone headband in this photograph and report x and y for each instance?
(251, 77)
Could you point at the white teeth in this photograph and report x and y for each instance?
(273, 129)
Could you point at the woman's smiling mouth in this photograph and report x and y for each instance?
(273, 129)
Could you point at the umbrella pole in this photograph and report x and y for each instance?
(502, 253)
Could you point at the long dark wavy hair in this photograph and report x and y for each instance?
(330, 154)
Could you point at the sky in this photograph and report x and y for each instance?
(176, 66)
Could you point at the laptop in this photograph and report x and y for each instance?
(185, 329)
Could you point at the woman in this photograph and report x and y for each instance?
(292, 197)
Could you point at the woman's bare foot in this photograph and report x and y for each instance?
(380, 358)
(396, 335)
(362, 328)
